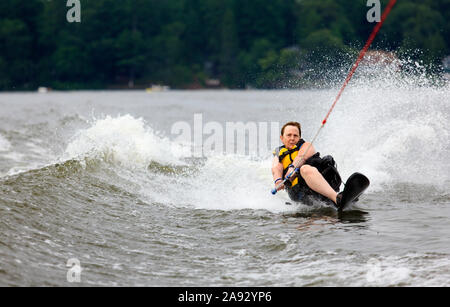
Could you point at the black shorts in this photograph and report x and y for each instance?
(302, 193)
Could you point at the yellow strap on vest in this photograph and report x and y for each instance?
(288, 159)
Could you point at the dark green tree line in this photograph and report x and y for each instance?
(183, 43)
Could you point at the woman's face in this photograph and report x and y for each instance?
(290, 137)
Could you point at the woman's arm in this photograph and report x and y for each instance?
(308, 150)
(277, 172)
(277, 169)
(305, 147)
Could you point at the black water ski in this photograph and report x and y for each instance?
(356, 184)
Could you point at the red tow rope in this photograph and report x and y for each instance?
(374, 33)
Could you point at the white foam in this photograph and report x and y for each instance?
(226, 182)
(5, 145)
(335, 269)
(124, 140)
(391, 133)
(386, 272)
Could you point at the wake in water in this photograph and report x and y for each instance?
(395, 136)
(388, 125)
(165, 170)
(136, 207)
(126, 141)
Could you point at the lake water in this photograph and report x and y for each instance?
(96, 189)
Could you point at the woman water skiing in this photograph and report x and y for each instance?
(314, 176)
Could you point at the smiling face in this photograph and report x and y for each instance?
(290, 137)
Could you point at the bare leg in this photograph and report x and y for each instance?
(316, 182)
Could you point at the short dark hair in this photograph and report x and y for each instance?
(295, 124)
